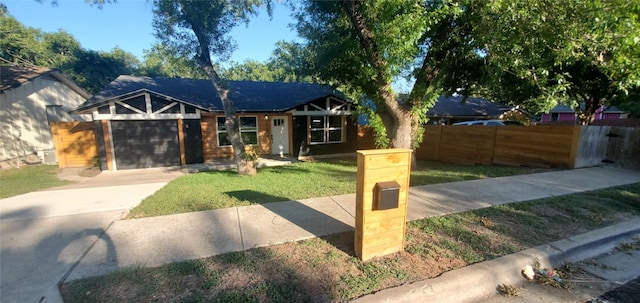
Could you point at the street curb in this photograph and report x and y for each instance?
(475, 282)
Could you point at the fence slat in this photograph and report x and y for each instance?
(558, 145)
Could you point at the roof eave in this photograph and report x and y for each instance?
(89, 108)
(56, 73)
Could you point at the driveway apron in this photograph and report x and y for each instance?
(43, 235)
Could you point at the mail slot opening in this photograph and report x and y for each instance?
(386, 195)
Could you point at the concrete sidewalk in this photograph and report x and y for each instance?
(159, 240)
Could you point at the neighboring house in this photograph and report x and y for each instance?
(30, 99)
(156, 122)
(563, 113)
(451, 109)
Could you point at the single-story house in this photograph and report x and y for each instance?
(30, 99)
(564, 113)
(156, 122)
(451, 109)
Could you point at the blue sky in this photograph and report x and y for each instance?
(127, 24)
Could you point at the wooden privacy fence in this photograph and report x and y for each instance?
(75, 143)
(560, 146)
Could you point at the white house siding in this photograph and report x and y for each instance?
(23, 115)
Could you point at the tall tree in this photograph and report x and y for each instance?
(164, 61)
(582, 53)
(369, 44)
(18, 42)
(92, 70)
(251, 70)
(59, 49)
(202, 28)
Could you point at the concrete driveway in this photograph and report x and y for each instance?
(44, 234)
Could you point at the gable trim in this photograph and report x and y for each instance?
(138, 114)
(310, 109)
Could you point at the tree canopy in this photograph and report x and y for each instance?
(580, 53)
(167, 61)
(530, 53)
(288, 63)
(367, 45)
(92, 70)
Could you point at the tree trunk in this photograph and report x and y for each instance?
(401, 131)
(203, 57)
(588, 115)
(231, 124)
(248, 168)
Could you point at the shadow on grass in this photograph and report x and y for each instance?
(254, 196)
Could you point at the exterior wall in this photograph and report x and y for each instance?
(572, 117)
(567, 117)
(608, 116)
(211, 149)
(297, 135)
(25, 118)
(366, 137)
(301, 147)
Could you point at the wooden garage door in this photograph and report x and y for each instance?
(143, 144)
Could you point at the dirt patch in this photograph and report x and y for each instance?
(78, 174)
(89, 172)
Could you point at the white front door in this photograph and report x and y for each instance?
(279, 136)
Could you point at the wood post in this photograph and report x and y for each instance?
(381, 231)
(183, 158)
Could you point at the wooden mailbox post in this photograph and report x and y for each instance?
(382, 191)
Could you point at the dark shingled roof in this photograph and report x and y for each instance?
(454, 106)
(12, 76)
(248, 96)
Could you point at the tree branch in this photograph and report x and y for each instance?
(366, 37)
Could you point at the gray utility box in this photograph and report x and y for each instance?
(386, 195)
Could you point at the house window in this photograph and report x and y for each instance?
(555, 116)
(325, 129)
(248, 131)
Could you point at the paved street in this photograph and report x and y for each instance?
(613, 277)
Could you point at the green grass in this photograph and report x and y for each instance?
(214, 190)
(17, 181)
(325, 269)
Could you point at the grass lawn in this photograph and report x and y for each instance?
(16, 181)
(325, 269)
(213, 190)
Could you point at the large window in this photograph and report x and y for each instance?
(325, 129)
(248, 131)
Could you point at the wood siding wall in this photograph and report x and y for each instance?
(75, 143)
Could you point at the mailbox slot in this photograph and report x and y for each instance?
(386, 195)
